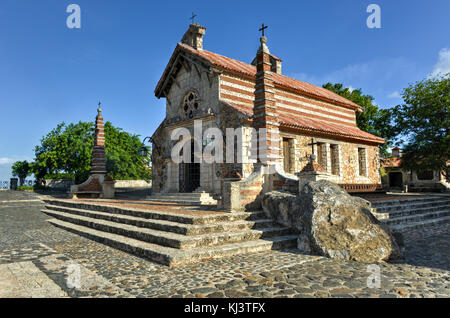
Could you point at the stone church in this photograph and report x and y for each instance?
(301, 120)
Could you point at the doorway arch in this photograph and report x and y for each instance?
(395, 180)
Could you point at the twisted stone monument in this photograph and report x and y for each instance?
(99, 184)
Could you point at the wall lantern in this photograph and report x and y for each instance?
(143, 151)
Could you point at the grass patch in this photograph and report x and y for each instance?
(25, 188)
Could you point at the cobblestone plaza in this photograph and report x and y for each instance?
(38, 260)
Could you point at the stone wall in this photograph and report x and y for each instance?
(283, 182)
(59, 184)
(192, 79)
(212, 113)
(240, 195)
(340, 158)
(159, 159)
(133, 184)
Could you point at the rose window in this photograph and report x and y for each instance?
(190, 104)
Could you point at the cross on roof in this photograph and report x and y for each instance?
(99, 103)
(263, 28)
(193, 17)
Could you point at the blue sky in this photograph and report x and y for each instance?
(50, 73)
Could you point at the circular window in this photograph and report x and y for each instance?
(190, 104)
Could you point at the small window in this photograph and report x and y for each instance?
(425, 175)
(190, 104)
(334, 156)
(362, 162)
(322, 155)
(287, 156)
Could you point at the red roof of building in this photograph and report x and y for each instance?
(311, 125)
(394, 162)
(300, 122)
(235, 66)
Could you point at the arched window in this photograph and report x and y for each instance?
(191, 103)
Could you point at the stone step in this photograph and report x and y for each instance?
(400, 208)
(195, 198)
(376, 204)
(400, 213)
(408, 203)
(420, 224)
(416, 217)
(174, 257)
(157, 215)
(182, 201)
(168, 226)
(169, 239)
(181, 195)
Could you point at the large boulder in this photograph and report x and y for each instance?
(332, 223)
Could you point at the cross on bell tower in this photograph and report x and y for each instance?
(263, 27)
(193, 17)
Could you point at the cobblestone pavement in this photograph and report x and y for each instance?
(78, 267)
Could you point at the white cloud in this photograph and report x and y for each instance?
(350, 88)
(10, 161)
(378, 72)
(394, 95)
(377, 77)
(6, 161)
(443, 64)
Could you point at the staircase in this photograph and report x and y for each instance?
(406, 214)
(172, 239)
(194, 198)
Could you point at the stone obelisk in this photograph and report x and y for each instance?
(98, 165)
(98, 184)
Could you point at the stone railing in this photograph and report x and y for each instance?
(353, 187)
(238, 194)
(61, 184)
(133, 184)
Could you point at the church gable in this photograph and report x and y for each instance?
(190, 87)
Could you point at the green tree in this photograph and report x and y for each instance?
(372, 119)
(22, 170)
(122, 155)
(67, 151)
(423, 122)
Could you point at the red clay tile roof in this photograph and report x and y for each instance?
(302, 88)
(228, 64)
(313, 125)
(394, 162)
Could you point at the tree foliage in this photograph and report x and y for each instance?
(122, 155)
(423, 122)
(21, 169)
(67, 151)
(374, 120)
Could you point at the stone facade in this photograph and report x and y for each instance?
(227, 94)
(395, 178)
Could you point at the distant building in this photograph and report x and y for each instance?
(397, 178)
